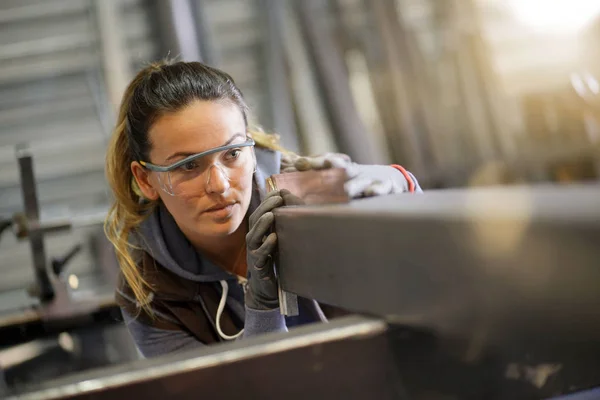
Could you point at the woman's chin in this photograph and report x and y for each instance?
(220, 226)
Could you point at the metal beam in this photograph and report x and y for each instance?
(495, 291)
(492, 266)
(302, 363)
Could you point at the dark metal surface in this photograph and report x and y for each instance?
(344, 359)
(492, 265)
(501, 286)
(30, 199)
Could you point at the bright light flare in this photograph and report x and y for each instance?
(555, 16)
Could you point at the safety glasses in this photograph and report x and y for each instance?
(186, 176)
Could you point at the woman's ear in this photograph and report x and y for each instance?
(149, 187)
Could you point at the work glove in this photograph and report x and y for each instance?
(291, 162)
(288, 161)
(363, 180)
(374, 180)
(261, 245)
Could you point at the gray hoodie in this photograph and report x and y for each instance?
(160, 236)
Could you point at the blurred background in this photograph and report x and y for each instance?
(461, 92)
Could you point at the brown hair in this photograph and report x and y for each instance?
(159, 88)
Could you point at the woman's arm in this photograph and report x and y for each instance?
(363, 180)
(154, 342)
(263, 321)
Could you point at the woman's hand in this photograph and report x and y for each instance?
(261, 245)
(378, 180)
(293, 163)
(363, 180)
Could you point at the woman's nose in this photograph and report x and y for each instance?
(217, 180)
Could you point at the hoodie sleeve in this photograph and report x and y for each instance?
(416, 182)
(259, 322)
(154, 342)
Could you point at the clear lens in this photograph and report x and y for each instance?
(196, 175)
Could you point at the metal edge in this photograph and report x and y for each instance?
(343, 328)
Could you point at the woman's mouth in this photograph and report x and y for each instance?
(221, 211)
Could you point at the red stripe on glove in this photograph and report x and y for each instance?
(411, 183)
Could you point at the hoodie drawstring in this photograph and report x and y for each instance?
(220, 309)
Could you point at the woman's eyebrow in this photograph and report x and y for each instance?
(184, 154)
(231, 139)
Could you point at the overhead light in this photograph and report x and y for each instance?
(73, 281)
(555, 16)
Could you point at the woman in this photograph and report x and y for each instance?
(191, 219)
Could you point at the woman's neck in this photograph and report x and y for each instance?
(227, 252)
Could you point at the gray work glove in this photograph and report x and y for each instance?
(293, 162)
(261, 245)
(374, 180)
(288, 161)
(363, 180)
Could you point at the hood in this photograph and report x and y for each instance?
(160, 236)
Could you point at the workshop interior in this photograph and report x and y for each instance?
(494, 105)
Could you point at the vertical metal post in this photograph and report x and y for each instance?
(114, 57)
(475, 78)
(350, 132)
(282, 112)
(450, 114)
(314, 128)
(36, 240)
(208, 52)
(178, 29)
(350, 35)
(404, 111)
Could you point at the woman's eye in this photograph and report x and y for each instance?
(189, 166)
(233, 154)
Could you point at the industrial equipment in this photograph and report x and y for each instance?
(470, 294)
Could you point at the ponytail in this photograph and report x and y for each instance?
(267, 140)
(128, 210)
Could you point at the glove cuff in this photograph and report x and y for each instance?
(257, 301)
(411, 183)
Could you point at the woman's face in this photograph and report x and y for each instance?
(214, 201)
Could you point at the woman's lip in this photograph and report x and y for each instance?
(225, 207)
(221, 214)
